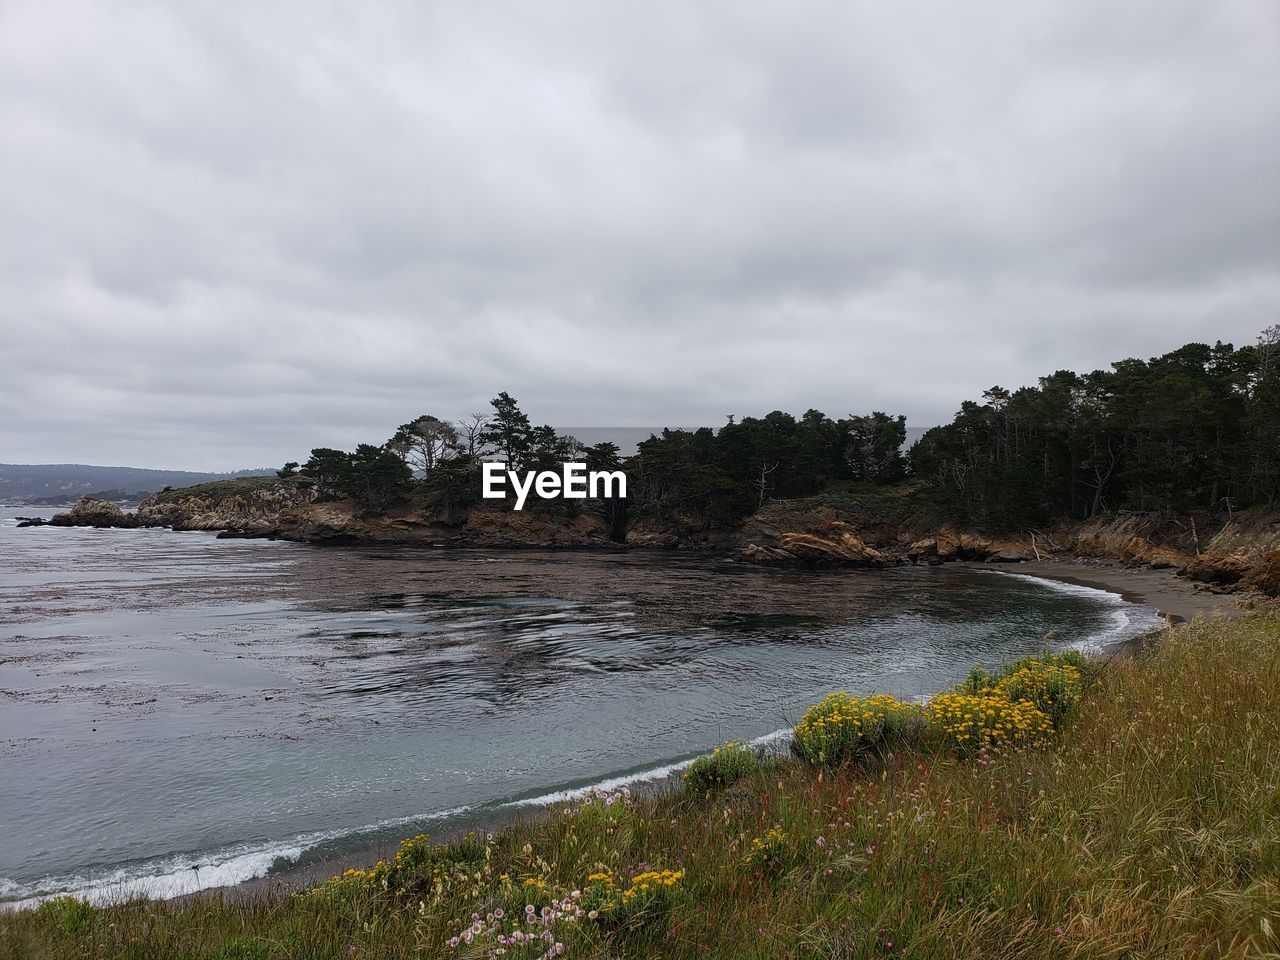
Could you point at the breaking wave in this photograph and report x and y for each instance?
(179, 874)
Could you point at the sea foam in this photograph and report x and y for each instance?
(176, 875)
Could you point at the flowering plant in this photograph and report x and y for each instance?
(842, 728)
(769, 850)
(1054, 682)
(966, 722)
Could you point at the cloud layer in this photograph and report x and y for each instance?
(233, 231)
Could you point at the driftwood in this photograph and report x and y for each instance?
(1047, 539)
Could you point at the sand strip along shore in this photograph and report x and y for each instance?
(1173, 596)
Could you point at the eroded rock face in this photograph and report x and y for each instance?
(1242, 554)
(1139, 552)
(292, 511)
(950, 545)
(963, 546)
(1165, 558)
(1004, 551)
(92, 512)
(262, 510)
(683, 533)
(1216, 567)
(834, 544)
(1266, 576)
(924, 551)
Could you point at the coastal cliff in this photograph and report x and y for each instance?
(1240, 553)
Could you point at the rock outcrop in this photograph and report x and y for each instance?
(1236, 555)
(833, 544)
(1265, 577)
(1160, 557)
(92, 512)
(290, 510)
(503, 526)
(682, 533)
(950, 544)
(1242, 554)
(1216, 567)
(264, 508)
(859, 531)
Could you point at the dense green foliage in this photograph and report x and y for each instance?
(722, 767)
(441, 460)
(729, 473)
(1148, 826)
(1195, 429)
(372, 476)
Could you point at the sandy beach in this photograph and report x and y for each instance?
(1174, 597)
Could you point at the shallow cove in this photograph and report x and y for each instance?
(181, 712)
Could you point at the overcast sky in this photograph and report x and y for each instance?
(233, 231)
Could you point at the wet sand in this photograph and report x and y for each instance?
(1174, 597)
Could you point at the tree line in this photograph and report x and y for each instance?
(440, 459)
(1197, 429)
(1194, 429)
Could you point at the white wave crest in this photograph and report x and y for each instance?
(649, 775)
(1125, 620)
(180, 874)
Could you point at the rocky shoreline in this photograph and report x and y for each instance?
(1239, 555)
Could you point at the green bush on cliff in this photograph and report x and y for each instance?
(67, 915)
(722, 767)
(1052, 682)
(842, 728)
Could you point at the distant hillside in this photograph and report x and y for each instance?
(44, 481)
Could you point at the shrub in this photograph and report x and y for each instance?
(1054, 689)
(843, 728)
(1053, 682)
(69, 915)
(979, 679)
(966, 722)
(649, 898)
(345, 886)
(420, 870)
(720, 768)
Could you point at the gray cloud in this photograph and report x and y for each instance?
(230, 232)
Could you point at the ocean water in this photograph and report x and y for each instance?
(179, 712)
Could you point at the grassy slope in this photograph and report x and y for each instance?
(219, 490)
(1150, 829)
